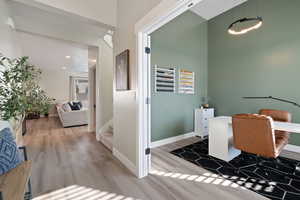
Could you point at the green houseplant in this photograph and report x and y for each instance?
(38, 102)
(20, 93)
(46, 103)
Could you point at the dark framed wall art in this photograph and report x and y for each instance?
(122, 71)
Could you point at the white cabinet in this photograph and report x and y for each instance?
(202, 117)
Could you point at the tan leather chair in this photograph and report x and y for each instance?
(254, 133)
(281, 116)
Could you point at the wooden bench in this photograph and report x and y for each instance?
(13, 183)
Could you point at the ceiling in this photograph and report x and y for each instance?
(209, 9)
(32, 19)
(50, 54)
(103, 11)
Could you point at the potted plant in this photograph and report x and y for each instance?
(13, 75)
(39, 104)
(20, 93)
(47, 102)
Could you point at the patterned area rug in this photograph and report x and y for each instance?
(275, 179)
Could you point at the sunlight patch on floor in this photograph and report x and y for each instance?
(76, 192)
(215, 179)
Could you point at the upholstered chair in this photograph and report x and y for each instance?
(255, 134)
(281, 116)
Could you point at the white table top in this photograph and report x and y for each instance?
(281, 126)
(285, 126)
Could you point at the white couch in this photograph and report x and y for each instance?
(72, 118)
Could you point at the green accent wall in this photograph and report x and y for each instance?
(181, 43)
(264, 62)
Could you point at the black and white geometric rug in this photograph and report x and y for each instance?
(277, 180)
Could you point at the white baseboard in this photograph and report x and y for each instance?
(293, 148)
(124, 160)
(98, 136)
(171, 139)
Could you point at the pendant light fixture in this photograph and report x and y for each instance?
(256, 23)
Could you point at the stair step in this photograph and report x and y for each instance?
(107, 140)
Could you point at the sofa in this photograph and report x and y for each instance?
(70, 117)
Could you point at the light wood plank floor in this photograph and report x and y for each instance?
(69, 160)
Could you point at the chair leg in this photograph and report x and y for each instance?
(260, 163)
(277, 163)
(28, 194)
(260, 159)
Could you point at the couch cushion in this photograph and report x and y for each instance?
(9, 152)
(78, 103)
(66, 107)
(75, 105)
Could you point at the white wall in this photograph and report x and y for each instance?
(125, 120)
(103, 11)
(49, 55)
(104, 78)
(57, 25)
(8, 41)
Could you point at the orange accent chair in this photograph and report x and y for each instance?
(255, 134)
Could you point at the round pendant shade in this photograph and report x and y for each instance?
(232, 27)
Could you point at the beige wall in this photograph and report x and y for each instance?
(129, 12)
(8, 39)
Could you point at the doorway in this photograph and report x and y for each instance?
(92, 99)
(167, 11)
(144, 28)
(79, 89)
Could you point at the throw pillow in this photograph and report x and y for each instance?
(9, 152)
(66, 107)
(74, 106)
(79, 104)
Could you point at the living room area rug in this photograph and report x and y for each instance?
(276, 179)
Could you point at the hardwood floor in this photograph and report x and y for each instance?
(68, 163)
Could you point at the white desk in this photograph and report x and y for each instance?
(221, 136)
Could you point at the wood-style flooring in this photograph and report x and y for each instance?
(68, 163)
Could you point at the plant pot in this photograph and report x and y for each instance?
(30, 116)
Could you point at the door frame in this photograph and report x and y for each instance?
(92, 99)
(156, 18)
